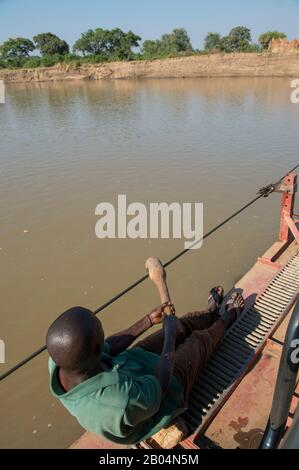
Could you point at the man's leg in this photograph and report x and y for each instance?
(206, 318)
(187, 324)
(192, 355)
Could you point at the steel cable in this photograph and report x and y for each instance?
(132, 286)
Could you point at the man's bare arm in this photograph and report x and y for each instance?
(166, 364)
(122, 340)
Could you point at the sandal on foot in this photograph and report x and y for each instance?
(233, 308)
(215, 298)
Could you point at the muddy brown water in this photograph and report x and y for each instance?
(64, 148)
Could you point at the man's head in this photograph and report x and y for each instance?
(75, 340)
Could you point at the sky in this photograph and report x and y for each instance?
(148, 18)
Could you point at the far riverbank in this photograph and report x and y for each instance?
(213, 65)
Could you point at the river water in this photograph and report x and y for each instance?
(64, 148)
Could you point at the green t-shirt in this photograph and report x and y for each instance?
(125, 404)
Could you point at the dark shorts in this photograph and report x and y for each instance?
(198, 335)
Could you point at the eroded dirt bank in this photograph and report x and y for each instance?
(215, 65)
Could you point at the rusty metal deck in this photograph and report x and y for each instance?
(242, 420)
(240, 346)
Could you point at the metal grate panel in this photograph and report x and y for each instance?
(240, 344)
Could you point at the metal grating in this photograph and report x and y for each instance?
(240, 344)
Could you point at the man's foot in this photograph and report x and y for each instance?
(215, 298)
(232, 309)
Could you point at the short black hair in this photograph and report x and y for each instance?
(74, 337)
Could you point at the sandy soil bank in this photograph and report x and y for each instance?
(214, 65)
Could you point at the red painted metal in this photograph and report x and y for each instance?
(188, 444)
(268, 262)
(287, 210)
(288, 219)
(292, 226)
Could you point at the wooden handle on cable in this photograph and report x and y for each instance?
(157, 274)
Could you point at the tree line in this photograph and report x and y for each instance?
(100, 45)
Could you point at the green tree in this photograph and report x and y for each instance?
(115, 43)
(151, 48)
(254, 48)
(49, 44)
(173, 43)
(267, 37)
(177, 41)
(92, 42)
(17, 48)
(225, 44)
(238, 40)
(120, 44)
(213, 41)
(32, 62)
